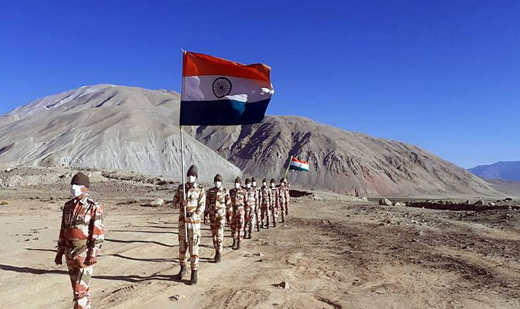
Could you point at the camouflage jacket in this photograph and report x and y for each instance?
(275, 197)
(251, 197)
(82, 227)
(196, 202)
(266, 196)
(281, 193)
(218, 199)
(257, 196)
(238, 198)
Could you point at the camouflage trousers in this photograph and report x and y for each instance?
(238, 223)
(257, 217)
(264, 213)
(217, 219)
(282, 210)
(249, 219)
(191, 244)
(274, 213)
(80, 276)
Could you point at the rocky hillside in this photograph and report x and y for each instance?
(342, 161)
(105, 126)
(108, 126)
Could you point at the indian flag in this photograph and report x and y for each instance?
(216, 91)
(299, 165)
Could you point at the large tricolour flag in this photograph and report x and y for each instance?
(222, 92)
(299, 165)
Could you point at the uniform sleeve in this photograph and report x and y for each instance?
(227, 200)
(176, 199)
(96, 231)
(202, 202)
(61, 238)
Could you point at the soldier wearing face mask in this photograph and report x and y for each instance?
(249, 209)
(282, 198)
(275, 200)
(238, 200)
(218, 202)
(265, 203)
(81, 237)
(257, 204)
(194, 205)
(287, 195)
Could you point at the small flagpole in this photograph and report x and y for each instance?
(288, 166)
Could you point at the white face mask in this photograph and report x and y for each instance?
(254, 183)
(75, 190)
(237, 185)
(272, 185)
(264, 184)
(191, 179)
(248, 185)
(218, 184)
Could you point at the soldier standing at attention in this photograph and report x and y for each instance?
(275, 200)
(194, 205)
(257, 204)
(238, 201)
(287, 195)
(81, 238)
(249, 209)
(281, 198)
(218, 202)
(265, 202)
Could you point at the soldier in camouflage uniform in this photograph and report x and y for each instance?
(287, 195)
(281, 198)
(218, 202)
(257, 204)
(81, 238)
(265, 203)
(249, 209)
(190, 224)
(238, 201)
(275, 200)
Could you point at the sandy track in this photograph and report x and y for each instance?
(332, 254)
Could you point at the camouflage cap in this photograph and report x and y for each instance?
(238, 180)
(272, 180)
(80, 179)
(264, 180)
(217, 178)
(253, 179)
(193, 171)
(248, 180)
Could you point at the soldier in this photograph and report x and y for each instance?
(189, 225)
(81, 238)
(238, 200)
(218, 202)
(265, 202)
(250, 209)
(287, 195)
(275, 200)
(281, 198)
(257, 204)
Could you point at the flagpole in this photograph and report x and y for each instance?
(288, 166)
(184, 199)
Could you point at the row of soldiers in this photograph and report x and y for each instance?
(243, 208)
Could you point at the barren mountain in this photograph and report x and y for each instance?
(342, 161)
(504, 170)
(105, 126)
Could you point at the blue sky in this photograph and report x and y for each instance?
(444, 75)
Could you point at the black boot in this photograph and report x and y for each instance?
(218, 257)
(181, 273)
(194, 278)
(234, 244)
(238, 245)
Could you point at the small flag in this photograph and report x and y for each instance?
(222, 92)
(299, 165)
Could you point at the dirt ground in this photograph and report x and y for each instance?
(332, 254)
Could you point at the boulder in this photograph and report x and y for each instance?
(385, 202)
(399, 204)
(479, 203)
